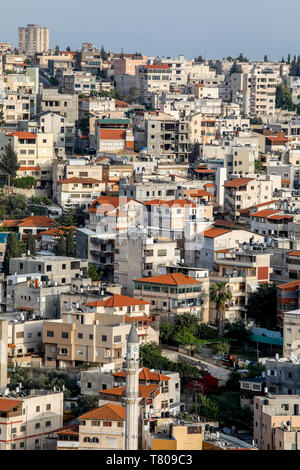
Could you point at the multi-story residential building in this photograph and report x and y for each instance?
(291, 333)
(98, 429)
(173, 294)
(98, 334)
(137, 256)
(89, 59)
(113, 135)
(28, 418)
(242, 193)
(63, 132)
(243, 270)
(288, 299)
(276, 422)
(202, 129)
(78, 191)
(271, 222)
(127, 65)
(63, 104)
(80, 83)
(283, 374)
(153, 79)
(58, 269)
(33, 39)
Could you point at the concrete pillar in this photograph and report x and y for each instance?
(3, 353)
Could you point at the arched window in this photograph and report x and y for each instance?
(86, 439)
(95, 439)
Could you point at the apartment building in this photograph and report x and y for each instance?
(61, 103)
(17, 107)
(28, 418)
(282, 375)
(174, 294)
(153, 78)
(165, 434)
(217, 241)
(242, 193)
(63, 132)
(88, 59)
(271, 222)
(33, 39)
(202, 129)
(98, 429)
(98, 334)
(243, 270)
(137, 257)
(34, 224)
(113, 135)
(78, 191)
(58, 269)
(127, 65)
(79, 83)
(288, 299)
(276, 422)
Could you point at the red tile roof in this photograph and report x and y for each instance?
(210, 185)
(289, 285)
(112, 134)
(29, 168)
(236, 183)
(7, 404)
(294, 253)
(264, 213)
(117, 300)
(197, 193)
(204, 171)
(145, 374)
(111, 411)
(76, 179)
(144, 391)
(23, 135)
(157, 66)
(176, 279)
(279, 217)
(215, 232)
(174, 202)
(32, 221)
(129, 319)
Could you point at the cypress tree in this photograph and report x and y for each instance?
(13, 250)
(70, 250)
(30, 244)
(68, 216)
(9, 161)
(60, 248)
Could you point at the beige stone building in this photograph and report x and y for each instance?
(78, 191)
(27, 420)
(33, 39)
(174, 294)
(153, 79)
(276, 422)
(99, 333)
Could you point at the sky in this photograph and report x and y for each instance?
(213, 29)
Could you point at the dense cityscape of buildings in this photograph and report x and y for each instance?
(137, 194)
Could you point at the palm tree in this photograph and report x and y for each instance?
(220, 293)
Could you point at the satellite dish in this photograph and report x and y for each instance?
(226, 431)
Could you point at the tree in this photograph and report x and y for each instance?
(93, 273)
(103, 54)
(238, 331)
(2, 118)
(67, 219)
(257, 166)
(220, 294)
(53, 81)
(222, 348)
(68, 49)
(85, 403)
(16, 206)
(266, 58)
(30, 244)
(13, 250)
(256, 121)
(70, 249)
(235, 68)
(56, 50)
(25, 182)
(133, 95)
(199, 59)
(9, 162)
(262, 306)
(241, 58)
(284, 98)
(60, 248)
(116, 94)
(289, 59)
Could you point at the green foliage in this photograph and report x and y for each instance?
(103, 54)
(262, 306)
(199, 59)
(60, 248)
(30, 244)
(238, 331)
(53, 81)
(187, 330)
(133, 95)
(222, 347)
(93, 273)
(2, 119)
(9, 161)
(67, 218)
(116, 94)
(235, 68)
(46, 381)
(284, 98)
(257, 166)
(241, 58)
(80, 215)
(151, 357)
(230, 411)
(13, 250)
(295, 67)
(16, 206)
(25, 182)
(70, 248)
(233, 382)
(256, 121)
(266, 58)
(84, 124)
(220, 294)
(205, 332)
(208, 407)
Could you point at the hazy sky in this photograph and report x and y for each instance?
(213, 28)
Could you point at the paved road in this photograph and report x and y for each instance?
(220, 373)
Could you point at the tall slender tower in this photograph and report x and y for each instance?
(132, 390)
(3, 354)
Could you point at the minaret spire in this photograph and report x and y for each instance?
(132, 390)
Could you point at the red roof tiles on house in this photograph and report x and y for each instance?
(215, 232)
(117, 300)
(23, 135)
(6, 404)
(176, 279)
(145, 374)
(76, 179)
(238, 182)
(111, 411)
(112, 134)
(264, 213)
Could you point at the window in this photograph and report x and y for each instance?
(91, 336)
(65, 335)
(89, 385)
(23, 428)
(120, 424)
(22, 445)
(107, 423)
(48, 406)
(20, 334)
(104, 338)
(80, 335)
(37, 409)
(48, 423)
(117, 339)
(48, 268)
(95, 423)
(37, 425)
(95, 439)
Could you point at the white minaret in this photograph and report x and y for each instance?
(132, 390)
